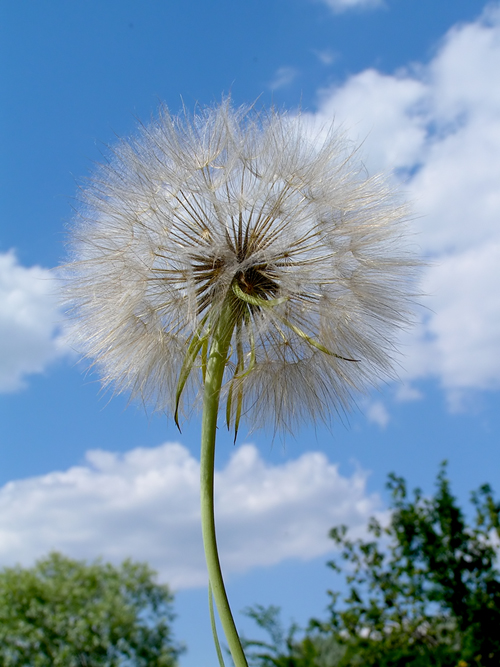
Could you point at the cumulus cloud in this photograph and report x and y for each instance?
(29, 337)
(437, 126)
(145, 504)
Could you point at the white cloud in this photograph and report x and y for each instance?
(390, 129)
(438, 127)
(284, 77)
(326, 56)
(339, 6)
(144, 504)
(377, 413)
(29, 338)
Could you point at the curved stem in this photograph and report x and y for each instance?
(216, 363)
(214, 626)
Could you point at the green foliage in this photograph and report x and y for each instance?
(424, 592)
(68, 613)
(284, 648)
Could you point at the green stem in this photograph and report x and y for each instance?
(214, 626)
(221, 341)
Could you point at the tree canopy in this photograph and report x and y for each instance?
(69, 613)
(425, 591)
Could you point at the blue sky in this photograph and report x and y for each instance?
(416, 81)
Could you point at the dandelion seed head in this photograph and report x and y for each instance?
(247, 206)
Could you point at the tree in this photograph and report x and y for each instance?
(424, 592)
(68, 613)
(284, 649)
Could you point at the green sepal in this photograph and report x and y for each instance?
(239, 404)
(252, 351)
(237, 418)
(204, 357)
(229, 404)
(239, 407)
(196, 343)
(239, 366)
(255, 300)
(314, 343)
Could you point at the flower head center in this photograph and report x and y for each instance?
(256, 281)
(214, 272)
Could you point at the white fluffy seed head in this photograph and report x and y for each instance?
(233, 201)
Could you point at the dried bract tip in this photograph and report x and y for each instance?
(240, 210)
